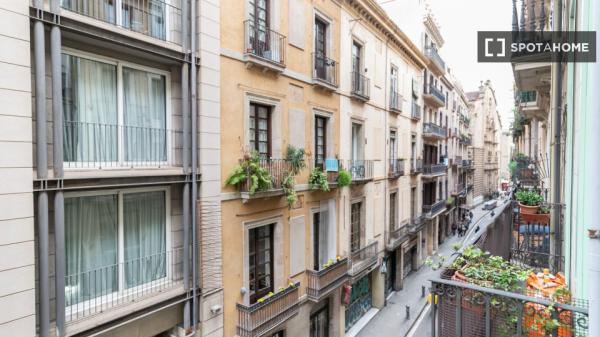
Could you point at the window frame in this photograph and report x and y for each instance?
(119, 64)
(323, 309)
(360, 226)
(393, 206)
(79, 308)
(254, 297)
(253, 108)
(324, 128)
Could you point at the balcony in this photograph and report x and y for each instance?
(108, 146)
(467, 164)
(431, 130)
(439, 66)
(264, 47)
(434, 170)
(277, 169)
(154, 18)
(257, 319)
(458, 160)
(396, 168)
(325, 72)
(533, 105)
(331, 168)
(415, 112)
(395, 101)
(416, 166)
(434, 96)
(361, 86)
(459, 189)
(360, 170)
(363, 260)
(431, 211)
(416, 224)
(396, 237)
(465, 139)
(321, 283)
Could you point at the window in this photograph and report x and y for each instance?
(97, 132)
(260, 261)
(114, 241)
(321, 62)
(260, 129)
(393, 215)
(413, 202)
(356, 57)
(319, 323)
(393, 146)
(280, 333)
(356, 141)
(355, 230)
(316, 241)
(320, 141)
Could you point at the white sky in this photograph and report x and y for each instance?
(459, 21)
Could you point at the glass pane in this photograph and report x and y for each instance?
(144, 116)
(90, 110)
(144, 227)
(90, 247)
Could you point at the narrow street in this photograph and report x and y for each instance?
(393, 317)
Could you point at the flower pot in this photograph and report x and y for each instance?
(543, 219)
(524, 209)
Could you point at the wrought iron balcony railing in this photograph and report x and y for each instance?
(257, 319)
(155, 18)
(434, 130)
(361, 86)
(432, 90)
(431, 210)
(416, 166)
(395, 101)
(434, 169)
(331, 168)
(396, 237)
(264, 43)
(363, 258)
(360, 170)
(433, 55)
(277, 169)
(467, 163)
(396, 168)
(321, 283)
(325, 70)
(99, 146)
(415, 112)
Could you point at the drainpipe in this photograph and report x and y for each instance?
(194, 166)
(185, 105)
(59, 201)
(42, 173)
(386, 166)
(592, 181)
(557, 124)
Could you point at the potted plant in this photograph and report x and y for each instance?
(318, 180)
(250, 172)
(344, 178)
(529, 201)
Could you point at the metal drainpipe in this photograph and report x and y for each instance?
(42, 173)
(557, 123)
(194, 166)
(59, 201)
(385, 166)
(185, 105)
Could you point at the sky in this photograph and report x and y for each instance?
(459, 22)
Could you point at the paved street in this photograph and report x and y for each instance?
(393, 316)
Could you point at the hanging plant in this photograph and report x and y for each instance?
(296, 159)
(250, 171)
(318, 180)
(288, 189)
(344, 178)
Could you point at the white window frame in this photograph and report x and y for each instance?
(79, 309)
(120, 162)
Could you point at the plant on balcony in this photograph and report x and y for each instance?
(250, 171)
(450, 201)
(344, 178)
(529, 201)
(318, 180)
(296, 160)
(280, 290)
(331, 262)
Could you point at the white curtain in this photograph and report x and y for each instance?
(144, 230)
(90, 110)
(90, 247)
(144, 116)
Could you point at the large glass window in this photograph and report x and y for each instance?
(260, 261)
(260, 129)
(107, 253)
(100, 132)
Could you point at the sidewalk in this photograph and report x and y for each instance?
(391, 320)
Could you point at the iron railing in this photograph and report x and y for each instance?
(99, 290)
(257, 319)
(396, 168)
(396, 237)
(433, 209)
(264, 43)
(416, 223)
(395, 101)
(363, 258)
(325, 69)
(360, 170)
(460, 188)
(415, 112)
(437, 93)
(95, 145)
(465, 309)
(432, 53)
(361, 85)
(324, 281)
(277, 169)
(323, 165)
(416, 166)
(434, 130)
(429, 169)
(155, 18)
(467, 163)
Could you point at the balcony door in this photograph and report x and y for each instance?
(393, 212)
(356, 67)
(393, 148)
(355, 226)
(260, 261)
(259, 34)
(320, 141)
(319, 323)
(320, 48)
(260, 129)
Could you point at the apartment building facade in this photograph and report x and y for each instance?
(112, 178)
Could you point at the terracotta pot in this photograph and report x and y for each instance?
(524, 209)
(535, 218)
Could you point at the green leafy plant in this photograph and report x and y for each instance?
(529, 198)
(450, 201)
(344, 178)
(288, 188)
(296, 159)
(544, 210)
(318, 180)
(250, 171)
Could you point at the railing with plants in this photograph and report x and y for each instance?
(324, 175)
(156, 18)
(265, 43)
(327, 279)
(268, 312)
(363, 258)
